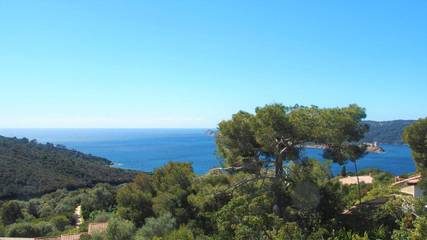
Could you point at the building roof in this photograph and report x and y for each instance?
(97, 227)
(353, 180)
(409, 181)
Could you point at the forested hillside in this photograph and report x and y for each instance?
(30, 168)
(386, 131)
(281, 195)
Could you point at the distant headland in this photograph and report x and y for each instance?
(382, 132)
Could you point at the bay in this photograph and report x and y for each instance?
(147, 149)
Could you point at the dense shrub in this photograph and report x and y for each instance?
(182, 233)
(29, 230)
(60, 222)
(31, 168)
(120, 229)
(156, 227)
(10, 212)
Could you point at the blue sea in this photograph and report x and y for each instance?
(147, 149)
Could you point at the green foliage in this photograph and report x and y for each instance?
(313, 202)
(420, 231)
(289, 230)
(53, 213)
(97, 236)
(100, 216)
(164, 191)
(314, 197)
(236, 141)
(44, 228)
(10, 212)
(29, 230)
(134, 200)
(270, 123)
(60, 222)
(416, 136)
(2, 230)
(172, 184)
(378, 221)
(34, 206)
(247, 217)
(182, 233)
(379, 176)
(85, 237)
(120, 229)
(209, 195)
(278, 195)
(386, 131)
(30, 168)
(100, 198)
(278, 132)
(22, 230)
(156, 227)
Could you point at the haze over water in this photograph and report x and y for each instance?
(147, 149)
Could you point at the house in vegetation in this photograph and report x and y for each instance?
(97, 228)
(93, 228)
(62, 237)
(366, 206)
(71, 237)
(350, 180)
(15, 238)
(409, 185)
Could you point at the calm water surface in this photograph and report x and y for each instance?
(147, 149)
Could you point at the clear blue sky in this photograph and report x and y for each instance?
(194, 63)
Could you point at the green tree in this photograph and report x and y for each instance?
(30, 230)
(247, 217)
(44, 228)
(156, 227)
(340, 129)
(60, 222)
(276, 134)
(101, 216)
(172, 184)
(182, 233)
(420, 231)
(30, 168)
(22, 230)
(102, 197)
(34, 207)
(10, 212)
(134, 200)
(85, 237)
(416, 136)
(210, 195)
(236, 141)
(289, 231)
(2, 230)
(120, 229)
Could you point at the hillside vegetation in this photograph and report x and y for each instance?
(30, 168)
(386, 131)
(273, 191)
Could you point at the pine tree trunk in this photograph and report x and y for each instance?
(358, 183)
(279, 166)
(277, 191)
